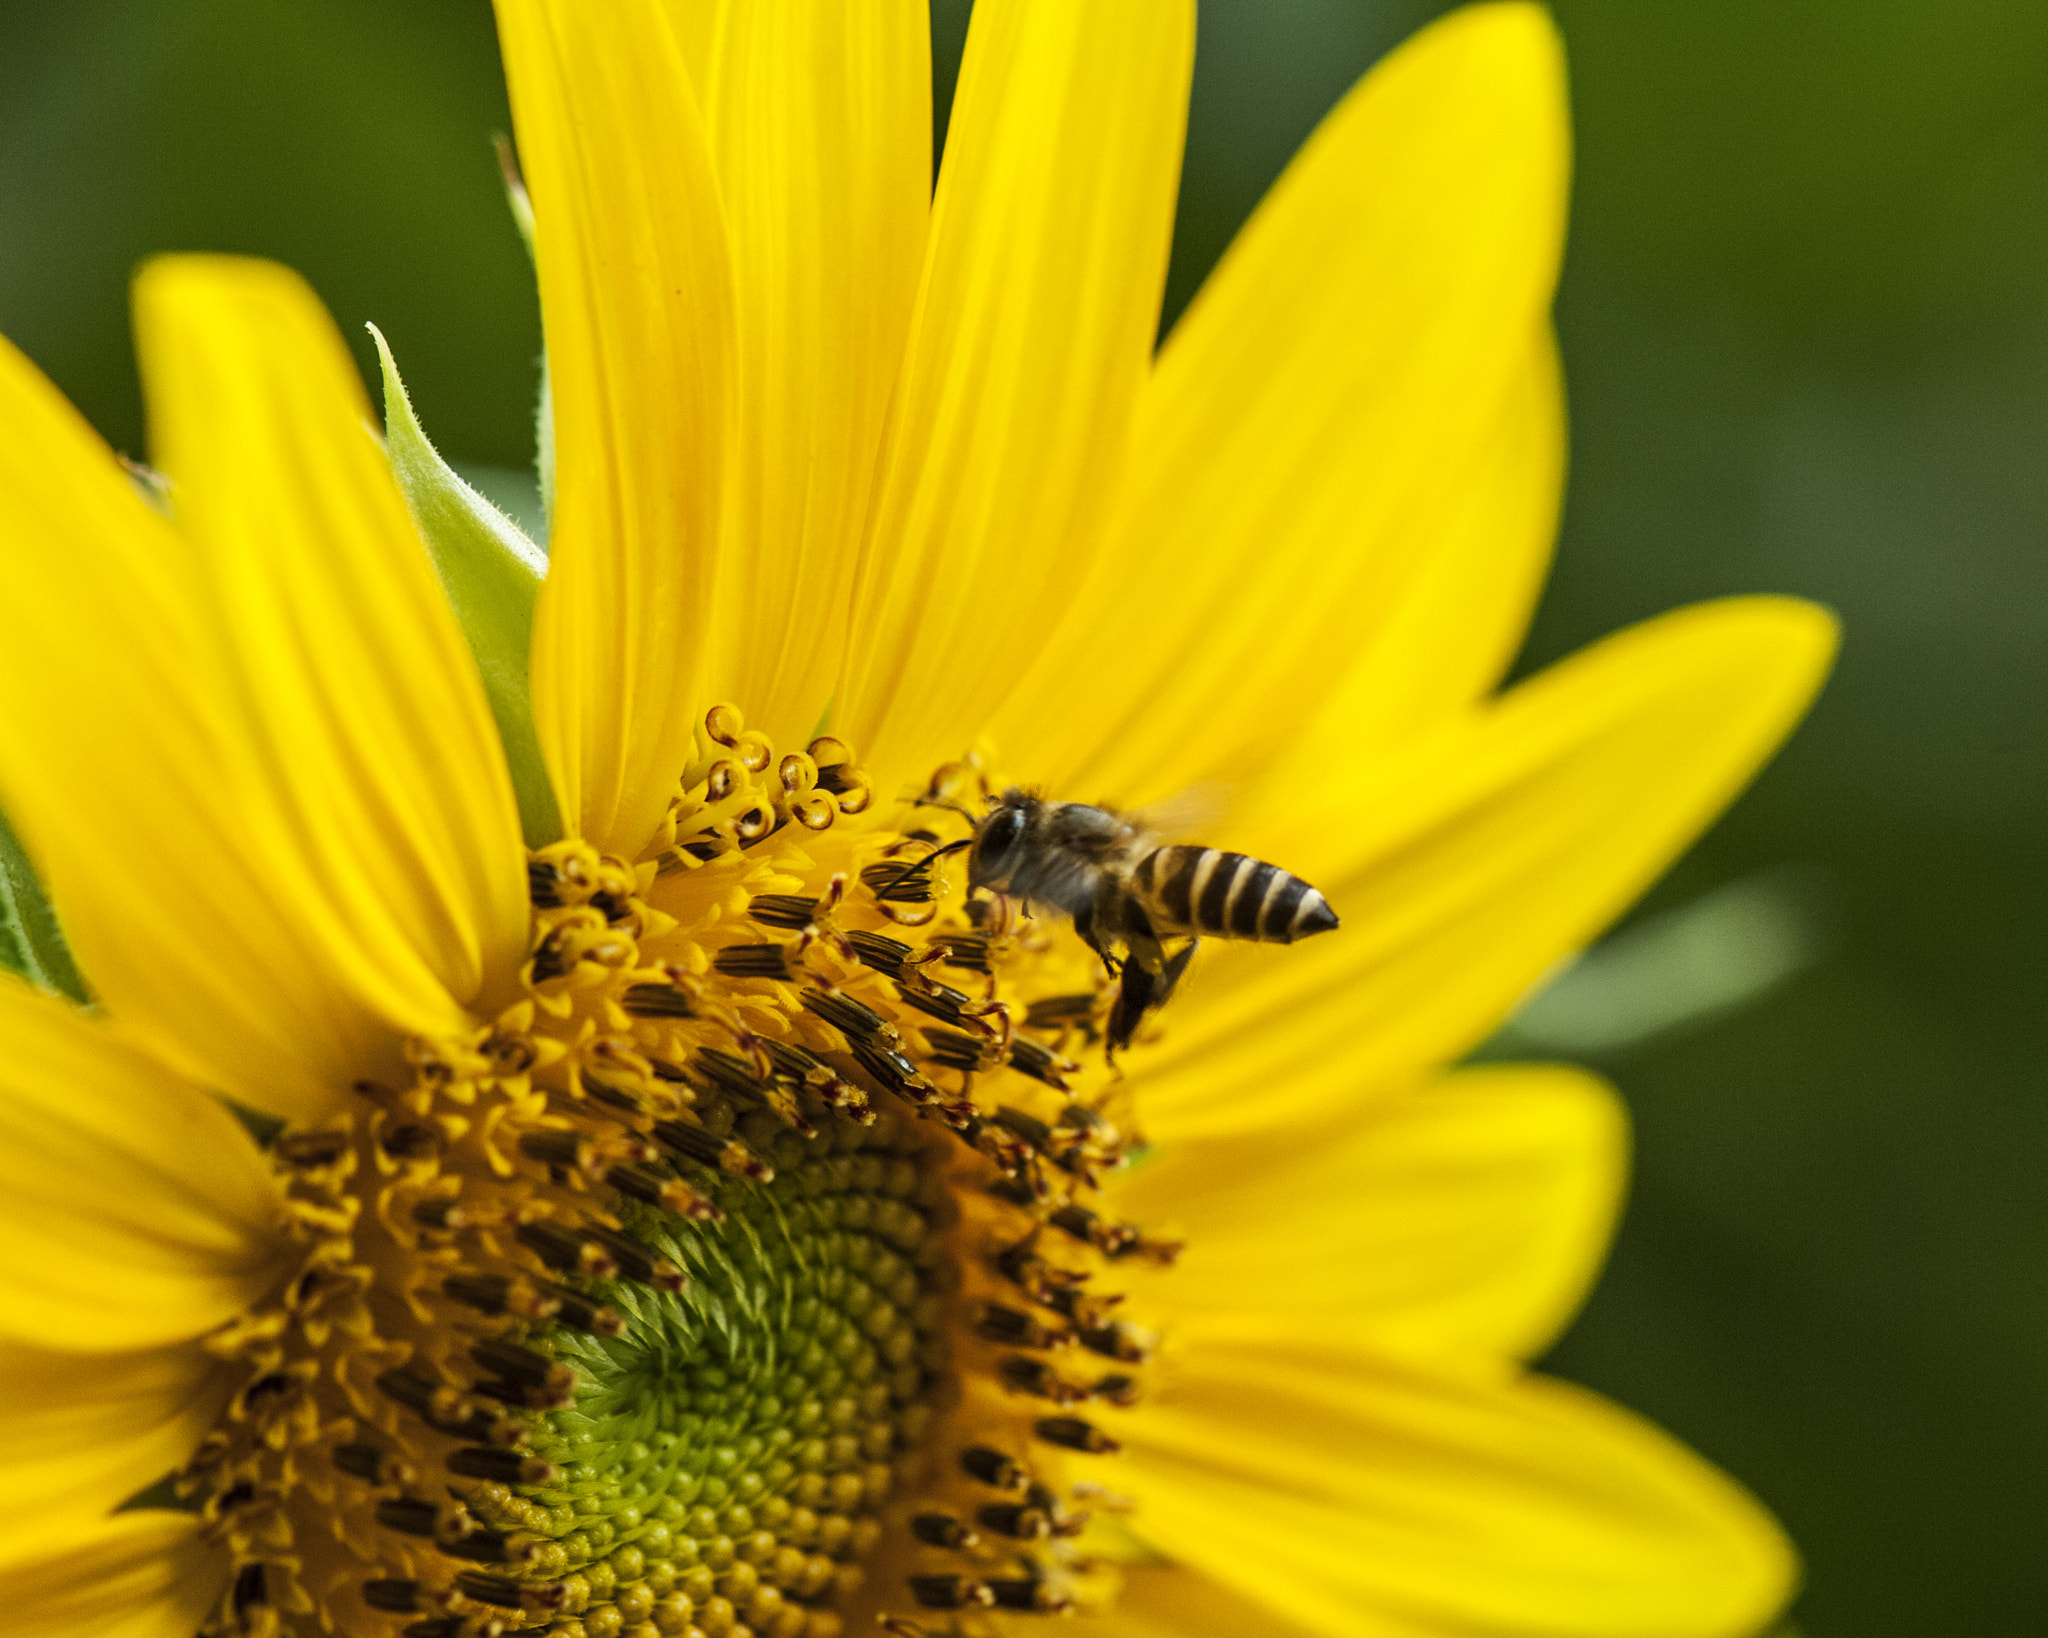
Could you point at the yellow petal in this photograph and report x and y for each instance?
(133, 1209)
(1451, 635)
(1032, 335)
(1470, 1214)
(79, 1435)
(1466, 866)
(137, 1575)
(395, 823)
(637, 308)
(1166, 1601)
(129, 767)
(1340, 1485)
(1311, 439)
(821, 130)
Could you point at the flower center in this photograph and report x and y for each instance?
(731, 1281)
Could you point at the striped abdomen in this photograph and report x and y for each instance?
(1227, 895)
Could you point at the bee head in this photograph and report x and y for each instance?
(996, 839)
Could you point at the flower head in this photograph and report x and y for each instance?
(716, 1218)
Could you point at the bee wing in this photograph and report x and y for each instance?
(1191, 815)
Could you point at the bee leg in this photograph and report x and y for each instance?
(1135, 997)
(1170, 974)
(1084, 924)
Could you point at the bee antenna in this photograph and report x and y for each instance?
(925, 863)
(950, 807)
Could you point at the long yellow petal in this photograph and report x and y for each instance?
(1166, 1601)
(395, 827)
(136, 1575)
(133, 1209)
(1450, 636)
(637, 308)
(1032, 334)
(1470, 1214)
(79, 1435)
(1311, 438)
(129, 767)
(821, 129)
(1381, 1486)
(1467, 866)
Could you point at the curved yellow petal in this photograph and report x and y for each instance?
(133, 1209)
(136, 1575)
(1469, 1214)
(821, 131)
(637, 308)
(395, 827)
(128, 766)
(81, 1435)
(1341, 1485)
(1311, 439)
(1467, 865)
(1032, 335)
(1450, 636)
(1166, 1601)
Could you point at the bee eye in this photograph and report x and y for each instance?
(998, 837)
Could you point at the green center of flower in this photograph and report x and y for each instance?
(741, 1279)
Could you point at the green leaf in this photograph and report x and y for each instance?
(492, 573)
(31, 943)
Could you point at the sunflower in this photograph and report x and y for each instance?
(562, 1149)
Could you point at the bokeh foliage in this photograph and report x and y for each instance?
(1806, 325)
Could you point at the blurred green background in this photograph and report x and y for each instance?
(1806, 323)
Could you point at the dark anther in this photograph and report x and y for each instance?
(501, 1466)
(496, 1294)
(968, 950)
(943, 1530)
(1118, 1340)
(1053, 1011)
(481, 1547)
(657, 1001)
(522, 1365)
(1017, 1329)
(409, 1515)
(884, 954)
(411, 1138)
(1027, 1057)
(853, 1020)
(1017, 1520)
(568, 1149)
(573, 1251)
(896, 883)
(953, 1050)
(543, 884)
(617, 1097)
(994, 1469)
(691, 1142)
(440, 1211)
(1041, 1381)
(752, 961)
(248, 1589)
(273, 1386)
(950, 1592)
(1014, 1191)
(372, 1465)
(1027, 1126)
(1099, 1232)
(666, 1191)
(1031, 1595)
(730, 1071)
(1071, 1433)
(309, 1151)
(894, 1070)
(636, 1262)
(838, 777)
(581, 1313)
(787, 910)
(399, 1597)
(1118, 1390)
(509, 1595)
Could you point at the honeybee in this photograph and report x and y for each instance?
(1119, 884)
